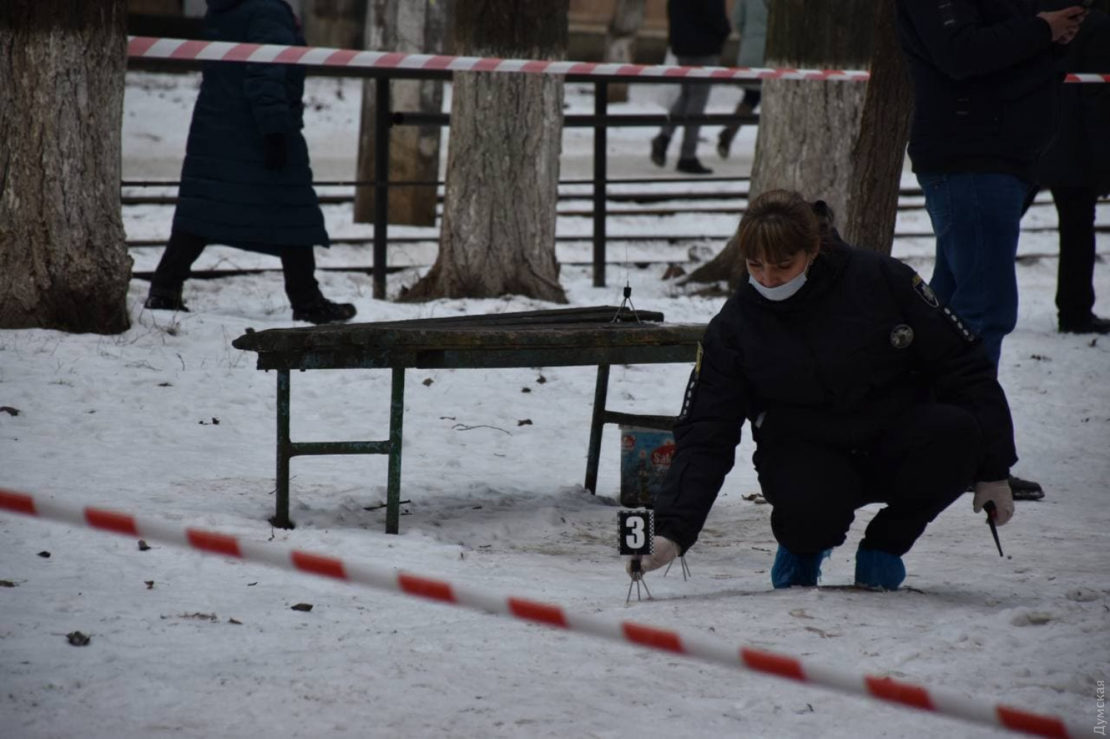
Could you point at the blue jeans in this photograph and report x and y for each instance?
(976, 217)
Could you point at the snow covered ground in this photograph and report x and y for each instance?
(169, 421)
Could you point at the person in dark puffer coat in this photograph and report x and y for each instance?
(246, 180)
(860, 386)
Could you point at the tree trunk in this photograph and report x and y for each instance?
(879, 154)
(620, 42)
(841, 142)
(498, 233)
(334, 23)
(415, 27)
(63, 258)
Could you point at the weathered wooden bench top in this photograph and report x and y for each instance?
(597, 336)
(573, 336)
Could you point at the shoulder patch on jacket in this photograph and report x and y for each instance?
(922, 289)
(901, 336)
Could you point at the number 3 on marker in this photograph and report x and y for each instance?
(635, 531)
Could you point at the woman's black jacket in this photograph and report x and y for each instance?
(862, 341)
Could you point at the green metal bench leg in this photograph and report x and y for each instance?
(284, 452)
(597, 424)
(396, 417)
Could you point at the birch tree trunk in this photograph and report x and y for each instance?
(841, 142)
(414, 26)
(498, 232)
(620, 42)
(63, 259)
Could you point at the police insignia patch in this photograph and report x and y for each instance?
(922, 288)
(901, 336)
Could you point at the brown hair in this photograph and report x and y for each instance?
(779, 224)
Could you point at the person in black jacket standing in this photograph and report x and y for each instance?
(860, 386)
(246, 180)
(698, 29)
(986, 79)
(1076, 169)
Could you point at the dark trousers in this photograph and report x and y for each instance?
(692, 99)
(1075, 293)
(298, 265)
(977, 219)
(747, 105)
(918, 467)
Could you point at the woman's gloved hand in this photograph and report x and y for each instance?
(1000, 494)
(663, 551)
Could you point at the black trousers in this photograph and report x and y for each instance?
(1075, 293)
(298, 265)
(918, 467)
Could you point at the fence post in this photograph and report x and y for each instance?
(601, 105)
(382, 115)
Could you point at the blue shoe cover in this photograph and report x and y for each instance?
(879, 570)
(796, 569)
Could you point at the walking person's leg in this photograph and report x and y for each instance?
(173, 269)
(976, 217)
(697, 96)
(1075, 293)
(298, 264)
(662, 140)
(747, 105)
(692, 102)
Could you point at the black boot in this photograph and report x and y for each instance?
(1090, 324)
(691, 165)
(1025, 489)
(322, 310)
(659, 149)
(173, 269)
(298, 265)
(724, 141)
(157, 300)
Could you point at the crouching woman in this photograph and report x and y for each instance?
(859, 387)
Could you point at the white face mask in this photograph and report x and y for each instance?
(780, 292)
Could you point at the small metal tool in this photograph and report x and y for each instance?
(637, 578)
(990, 509)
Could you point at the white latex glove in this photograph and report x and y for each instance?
(662, 552)
(999, 492)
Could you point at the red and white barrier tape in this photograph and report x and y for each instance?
(146, 47)
(779, 665)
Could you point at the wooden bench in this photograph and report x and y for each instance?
(600, 336)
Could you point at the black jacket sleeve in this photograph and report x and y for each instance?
(706, 434)
(962, 43)
(956, 367)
